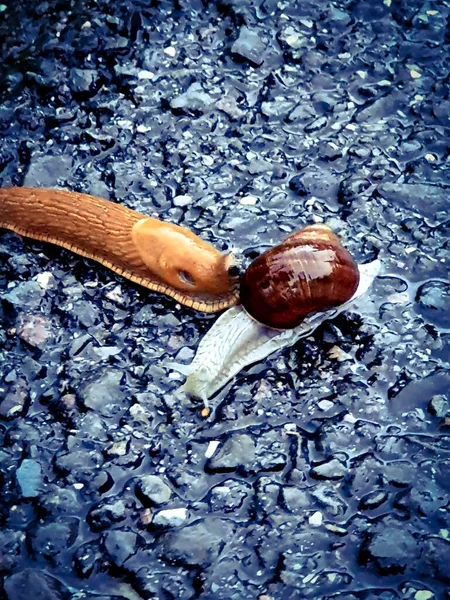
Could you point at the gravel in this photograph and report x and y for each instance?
(323, 471)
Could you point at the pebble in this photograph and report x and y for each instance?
(331, 469)
(34, 330)
(211, 449)
(439, 406)
(194, 99)
(29, 478)
(120, 545)
(182, 200)
(316, 519)
(170, 51)
(105, 394)
(146, 75)
(433, 299)
(41, 585)
(423, 595)
(249, 47)
(26, 295)
(196, 545)
(153, 490)
(248, 200)
(171, 517)
(81, 80)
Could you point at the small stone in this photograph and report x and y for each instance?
(297, 186)
(27, 294)
(170, 51)
(211, 449)
(106, 513)
(336, 529)
(332, 469)
(390, 551)
(316, 519)
(198, 544)
(35, 584)
(325, 405)
(104, 395)
(146, 75)
(45, 280)
(194, 99)
(15, 401)
(430, 157)
(171, 517)
(295, 500)
(34, 330)
(249, 47)
(81, 80)
(439, 406)
(152, 489)
(239, 451)
(53, 537)
(423, 595)
(120, 545)
(182, 200)
(29, 478)
(372, 500)
(228, 105)
(415, 74)
(433, 300)
(248, 200)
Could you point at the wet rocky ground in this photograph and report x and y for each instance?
(323, 471)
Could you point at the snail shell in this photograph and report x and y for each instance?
(309, 272)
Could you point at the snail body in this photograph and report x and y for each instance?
(309, 272)
(160, 256)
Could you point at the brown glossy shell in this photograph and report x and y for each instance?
(309, 272)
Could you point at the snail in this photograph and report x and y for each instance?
(286, 293)
(160, 256)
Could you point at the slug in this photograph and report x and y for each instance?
(286, 293)
(160, 256)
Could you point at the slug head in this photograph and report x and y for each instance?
(182, 260)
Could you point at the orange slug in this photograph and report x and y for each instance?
(160, 256)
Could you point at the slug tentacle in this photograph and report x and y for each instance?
(160, 256)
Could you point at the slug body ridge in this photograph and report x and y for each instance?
(160, 256)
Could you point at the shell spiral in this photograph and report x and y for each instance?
(309, 272)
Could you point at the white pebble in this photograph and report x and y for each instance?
(145, 74)
(212, 447)
(142, 129)
(248, 200)
(325, 405)
(316, 519)
(182, 200)
(171, 516)
(44, 279)
(170, 51)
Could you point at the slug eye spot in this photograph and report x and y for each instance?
(234, 271)
(186, 278)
